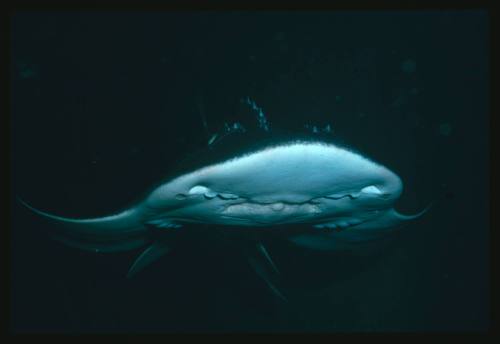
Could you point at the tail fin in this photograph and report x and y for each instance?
(120, 232)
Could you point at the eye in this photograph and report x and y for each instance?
(202, 190)
(372, 189)
(198, 189)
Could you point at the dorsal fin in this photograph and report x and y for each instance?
(227, 129)
(257, 113)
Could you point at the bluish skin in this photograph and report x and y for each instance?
(340, 194)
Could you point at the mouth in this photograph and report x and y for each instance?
(287, 209)
(272, 213)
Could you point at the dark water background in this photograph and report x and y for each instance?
(102, 104)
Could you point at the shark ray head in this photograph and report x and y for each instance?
(316, 183)
(338, 193)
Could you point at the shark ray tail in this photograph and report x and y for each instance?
(119, 232)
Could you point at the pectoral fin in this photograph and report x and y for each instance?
(346, 234)
(263, 265)
(149, 256)
(267, 257)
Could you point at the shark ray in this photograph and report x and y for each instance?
(341, 196)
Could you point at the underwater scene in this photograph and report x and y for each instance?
(249, 171)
